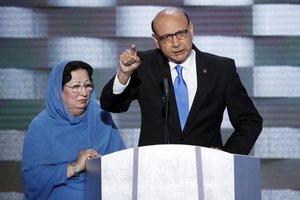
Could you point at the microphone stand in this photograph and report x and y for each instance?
(166, 102)
(166, 121)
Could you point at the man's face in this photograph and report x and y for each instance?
(178, 49)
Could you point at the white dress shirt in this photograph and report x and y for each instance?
(189, 74)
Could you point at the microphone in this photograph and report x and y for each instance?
(166, 86)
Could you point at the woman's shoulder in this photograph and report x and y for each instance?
(40, 121)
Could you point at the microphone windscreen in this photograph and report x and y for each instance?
(165, 82)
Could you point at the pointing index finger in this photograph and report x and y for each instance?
(133, 49)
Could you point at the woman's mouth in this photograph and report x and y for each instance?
(83, 101)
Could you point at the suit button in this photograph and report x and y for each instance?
(182, 139)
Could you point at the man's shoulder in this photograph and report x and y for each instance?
(151, 57)
(149, 53)
(210, 56)
(215, 57)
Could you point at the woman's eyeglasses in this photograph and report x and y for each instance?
(77, 88)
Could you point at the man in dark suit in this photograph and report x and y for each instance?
(191, 111)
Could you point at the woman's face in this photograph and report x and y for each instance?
(76, 93)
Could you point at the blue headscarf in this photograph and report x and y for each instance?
(55, 138)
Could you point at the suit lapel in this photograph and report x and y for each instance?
(162, 67)
(203, 80)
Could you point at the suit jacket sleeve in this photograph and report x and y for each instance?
(119, 102)
(243, 115)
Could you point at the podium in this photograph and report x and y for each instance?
(173, 172)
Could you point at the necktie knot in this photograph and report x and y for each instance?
(179, 70)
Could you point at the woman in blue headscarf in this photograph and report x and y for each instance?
(71, 129)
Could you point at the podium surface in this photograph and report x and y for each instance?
(173, 172)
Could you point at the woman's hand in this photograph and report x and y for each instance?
(79, 165)
(83, 156)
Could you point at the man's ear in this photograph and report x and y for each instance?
(155, 40)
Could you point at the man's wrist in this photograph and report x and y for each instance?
(123, 77)
(118, 87)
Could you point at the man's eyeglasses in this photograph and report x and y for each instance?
(167, 38)
(77, 88)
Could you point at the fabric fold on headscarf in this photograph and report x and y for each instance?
(55, 138)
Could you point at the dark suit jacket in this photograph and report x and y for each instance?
(219, 86)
